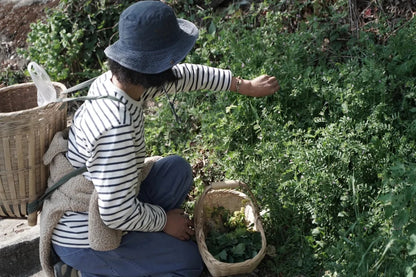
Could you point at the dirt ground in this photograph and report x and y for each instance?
(15, 19)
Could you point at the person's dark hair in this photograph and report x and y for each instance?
(125, 75)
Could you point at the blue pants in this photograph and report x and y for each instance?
(146, 253)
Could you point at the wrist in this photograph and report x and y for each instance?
(235, 84)
(165, 223)
(240, 85)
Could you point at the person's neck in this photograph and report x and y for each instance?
(134, 91)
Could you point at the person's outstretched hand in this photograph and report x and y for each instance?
(179, 225)
(263, 85)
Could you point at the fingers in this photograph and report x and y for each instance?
(179, 225)
(187, 227)
(273, 84)
(264, 85)
(187, 230)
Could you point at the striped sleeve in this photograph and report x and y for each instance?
(113, 169)
(192, 77)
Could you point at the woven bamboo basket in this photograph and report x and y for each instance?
(224, 194)
(25, 133)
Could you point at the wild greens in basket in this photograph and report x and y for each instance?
(228, 237)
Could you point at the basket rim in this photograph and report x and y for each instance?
(34, 109)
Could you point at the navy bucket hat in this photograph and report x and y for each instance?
(151, 38)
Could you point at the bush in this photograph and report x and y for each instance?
(10, 77)
(70, 43)
(322, 154)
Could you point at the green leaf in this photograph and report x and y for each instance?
(212, 28)
(411, 246)
(409, 272)
(316, 231)
(229, 108)
(385, 198)
(401, 219)
(239, 249)
(222, 256)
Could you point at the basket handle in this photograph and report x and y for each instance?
(232, 184)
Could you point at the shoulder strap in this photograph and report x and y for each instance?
(79, 86)
(83, 85)
(84, 98)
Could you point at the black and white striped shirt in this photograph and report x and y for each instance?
(108, 137)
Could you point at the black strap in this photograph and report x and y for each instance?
(79, 86)
(37, 204)
(84, 98)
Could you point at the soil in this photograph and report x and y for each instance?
(15, 19)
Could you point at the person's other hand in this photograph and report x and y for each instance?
(260, 86)
(179, 225)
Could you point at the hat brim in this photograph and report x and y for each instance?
(153, 62)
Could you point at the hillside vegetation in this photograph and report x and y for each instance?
(330, 157)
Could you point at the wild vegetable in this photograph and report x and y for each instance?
(229, 239)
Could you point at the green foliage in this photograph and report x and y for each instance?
(330, 157)
(384, 233)
(228, 237)
(322, 155)
(70, 43)
(10, 77)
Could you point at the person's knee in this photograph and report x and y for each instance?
(182, 165)
(178, 174)
(182, 169)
